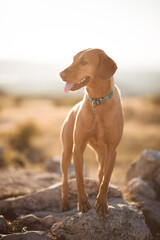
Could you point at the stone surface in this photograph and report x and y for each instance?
(122, 222)
(53, 165)
(17, 181)
(49, 199)
(3, 225)
(39, 211)
(143, 187)
(147, 166)
(27, 236)
(32, 222)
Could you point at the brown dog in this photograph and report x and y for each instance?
(97, 120)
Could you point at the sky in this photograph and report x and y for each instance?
(52, 31)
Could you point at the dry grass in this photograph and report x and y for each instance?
(142, 128)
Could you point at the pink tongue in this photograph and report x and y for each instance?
(68, 87)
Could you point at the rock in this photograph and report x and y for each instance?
(49, 199)
(17, 181)
(3, 225)
(43, 199)
(138, 186)
(32, 222)
(157, 176)
(141, 192)
(114, 191)
(27, 236)
(53, 165)
(143, 187)
(122, 222)
(39, 211)
(147, 166)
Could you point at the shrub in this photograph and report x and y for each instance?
(20, 139)
(11, 157)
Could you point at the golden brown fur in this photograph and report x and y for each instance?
(102, 130)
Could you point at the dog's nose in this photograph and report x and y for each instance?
(62, 74)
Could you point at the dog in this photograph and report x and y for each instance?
(97, 120)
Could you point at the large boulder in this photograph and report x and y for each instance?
(122, 222)
(147, 166)
(40, 211)
(143, 187)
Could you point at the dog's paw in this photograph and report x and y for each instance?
(65, 206)
(101, 208)
(84, 206)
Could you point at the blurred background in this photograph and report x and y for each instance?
(38, 39)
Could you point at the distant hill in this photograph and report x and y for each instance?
(136, 83)
(38, 78)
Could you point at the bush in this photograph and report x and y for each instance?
(21, 138)
(10, 157)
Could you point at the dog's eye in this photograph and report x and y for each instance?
(84, 62)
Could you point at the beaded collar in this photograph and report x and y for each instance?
(98, 101)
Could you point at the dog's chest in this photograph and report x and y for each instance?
(101, 126)
(97, 127)
(100, 122)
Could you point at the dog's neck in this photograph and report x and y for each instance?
(100, 88)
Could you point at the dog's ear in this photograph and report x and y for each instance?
(107, 67)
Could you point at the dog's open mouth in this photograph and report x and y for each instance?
(75, 86)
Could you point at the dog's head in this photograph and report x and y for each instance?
(88, 65)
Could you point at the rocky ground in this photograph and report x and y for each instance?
(143, 187)
(19, 181)
(30, 205)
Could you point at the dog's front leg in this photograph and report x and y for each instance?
(101, 202)
(83, 203)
